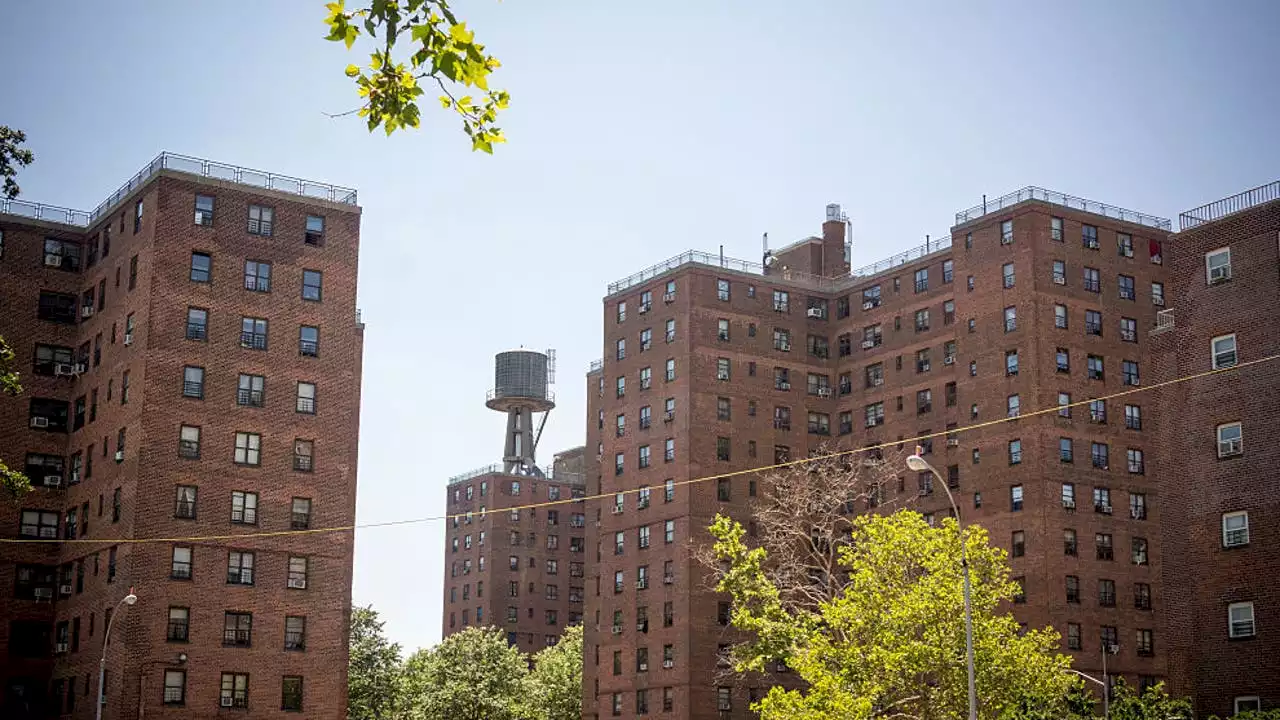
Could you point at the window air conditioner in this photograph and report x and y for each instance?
(63, 369)
(52, 480)
(64, 589)
(227, 701)
(60, 648)
(128, 338)
(868, 344)
(43, 593)
(1219, 275)
(949, 360)
(644, 309)
(824, 392)
(814, 313)
(39, 421)
(953, 442)
(668, 297)
(868, 305)
(617, 629)
(617, 509)
(86, 311)
(784, 346)
(643, 667)
(1059, 280)
(298, 583)
(119, 456)
(784, 385)
(79, 368)
(668, 664)
(53, 260)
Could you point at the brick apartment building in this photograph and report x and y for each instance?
(519, 570)
(1218, 454)
(713, 365)
(191, 358)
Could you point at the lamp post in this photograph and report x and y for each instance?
(106, 641)
(919, 464)
(1106, 704)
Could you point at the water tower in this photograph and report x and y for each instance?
(522, 380)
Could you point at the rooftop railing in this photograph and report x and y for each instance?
(1068, 201)
(596, 366)
(186, 164)
(486, 470)
(40, 211)
(1226, 206)
(548, 473)
(928, 248)
(691, 256)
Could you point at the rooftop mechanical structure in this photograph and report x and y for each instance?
(522, 388)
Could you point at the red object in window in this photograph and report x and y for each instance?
(1156, 256)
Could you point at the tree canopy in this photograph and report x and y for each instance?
(471, 675)
(891, 642)
(442, 51)
(12, 156)
(373, 671)
(553, 689)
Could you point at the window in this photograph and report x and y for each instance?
(314, 230)
(189, 442)
(722, 449)
(724, 699)
(257, 276)
(1069, 541)
(309, 341)
(61, 254)
(1092, 280)
(1015, 452)
(1134, 460)
(1007, 272)
(875, 414)
(670, 370)
(1059, 272)
(669, 450)
(237, 629)
(1129, 372)
(303, 455)
(1132, 417)
(1101, 456)
(248, 449)
(1139, 551)
(948, 271)
(922, 320)
(1018, 544)
(204, 210)
(1230, 440)
(1011, 362)
(1010, 319)
(261, 220)
(297, 579)
(949, 312)
(244, 508)
(1247, 703)
(922, 280)
(185, 502)
(646, 339)
(201, 267)
(722, 290)
(251, 391)
(781, 340)
(1102, 546)
(924, 402)
(239, 568)
(235, 690)
(57, 307)
(671, 331)
(193, 382)
(1006, 232)
(306, 398)
(871, 298)
(1094, 367)
(1092, 322)
(1240, 620)
(1217, 265)
(175, 687)
(1128, 329)
(1089, 234)
(1064, 404)
(1098, 411)
(291, 692)
(1127, 288)
(300, 514)
(197, 324)
(253, 333)
(1224, 351)
(1073, 636)
(1107, 593)
(311, 280)
(781, 301)
(1235, 529)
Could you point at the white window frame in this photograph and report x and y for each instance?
(1235, 350)
(1231, 623)
(1226, 533)
(1208, 265)
(1229, 451)
(1254, 703)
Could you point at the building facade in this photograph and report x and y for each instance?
(518, 569)
(190, 353)
(1219, 451)
(713, 365)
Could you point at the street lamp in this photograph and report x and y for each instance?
(1106, 704)
(919, 464)
(106, 640)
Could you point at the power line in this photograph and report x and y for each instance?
(602, 496)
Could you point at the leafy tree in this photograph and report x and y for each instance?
(12, 156)
(1152, 704)
(373, 672)
(553, 690)
(442, 51)
(471, 675)
(891, 641)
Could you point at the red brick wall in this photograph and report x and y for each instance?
(696, 427)
(1202, 577)
(151, 467)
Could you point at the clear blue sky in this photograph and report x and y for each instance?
(637, 131)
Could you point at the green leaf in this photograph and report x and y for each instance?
(352, 71)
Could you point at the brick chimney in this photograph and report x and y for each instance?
(833, 241)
